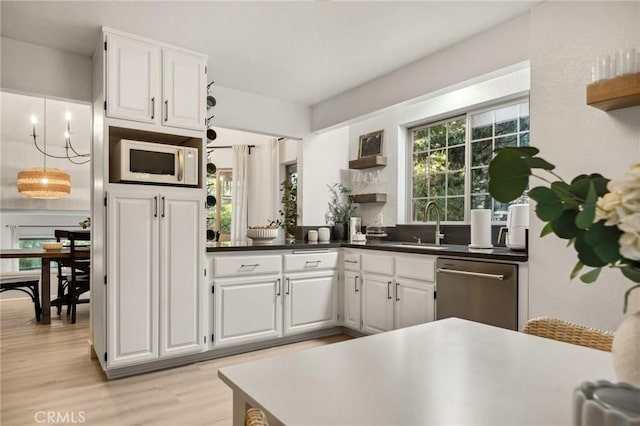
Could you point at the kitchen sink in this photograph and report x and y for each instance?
(429, 246)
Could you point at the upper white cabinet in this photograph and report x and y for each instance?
(154, 84)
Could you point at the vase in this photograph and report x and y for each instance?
(339, 231)
(626, 350)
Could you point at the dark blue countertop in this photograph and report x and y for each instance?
(496, 253)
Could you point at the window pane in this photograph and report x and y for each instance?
(524, 123)
(455, 209)
(482, 125)
(438, 136)
(418, 209)
(31, 243)
(456, 158)
(480, 180)
(481, 153)
(500, 211)
(420, 138)
(507, 141)
(456, 183)
(506, 127)
(524, 139)
(481, 201)
(437, 184)
(437, 161)
(420, 186)
(420, 164)
(507, 119)
(456, 132)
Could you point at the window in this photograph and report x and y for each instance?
(450, 160)
(31, 243)
(219, 217)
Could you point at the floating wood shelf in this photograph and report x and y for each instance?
(619, 92)
(368, 162)
(370, 198)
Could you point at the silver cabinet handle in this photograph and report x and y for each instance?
(166, 110)
(389, 290)
(253, 265)
(163, 207)
(153, 107)
(278, 283)
(288, 285)
(355, 283)
(155, 206)
(350, 261)
(471, 274)
(312, 263)
(180, 165)
(397, 298)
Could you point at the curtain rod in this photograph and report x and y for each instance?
(210, 149)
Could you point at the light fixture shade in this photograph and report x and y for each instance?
(46, 184)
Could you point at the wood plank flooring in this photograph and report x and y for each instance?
(47, 369)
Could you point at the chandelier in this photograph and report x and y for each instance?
(46, 182)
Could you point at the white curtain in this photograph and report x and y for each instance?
(240, 191)
(274, 178)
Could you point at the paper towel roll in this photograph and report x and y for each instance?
(480, 228)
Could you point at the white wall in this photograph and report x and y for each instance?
(494, 49)
(324, 162)
(30, 68)
(565, 38)
(17, 151)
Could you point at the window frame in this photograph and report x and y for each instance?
(217, 207)
(467, 113)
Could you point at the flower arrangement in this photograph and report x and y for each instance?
(599, 217)
(341, 204)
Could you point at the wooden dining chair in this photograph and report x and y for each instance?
(557, 329)
(255, 417)
(26, 282)
(76, 280)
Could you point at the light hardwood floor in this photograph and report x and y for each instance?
(48, 369)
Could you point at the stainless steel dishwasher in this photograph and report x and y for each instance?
(478, 291)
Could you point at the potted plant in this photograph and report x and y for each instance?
(599, 217)
(289, 211)
(341, 208)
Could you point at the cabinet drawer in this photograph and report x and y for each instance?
(416, 268)
(246, 265)
(377, 264)
(351, 262)
(310, 262)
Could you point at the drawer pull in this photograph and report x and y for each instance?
(350, 261)
(253, 265)
(397, 292)
(278, 281)
(355, 283)
(389, 290)
(312, 263)
(288, 289)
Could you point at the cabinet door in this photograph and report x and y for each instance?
(310, 302)
(247, 309)
(352, 287)
(132, 79)
(377, 303)
(183, 90)
(414, 303)
(181, 273)
(132, 277)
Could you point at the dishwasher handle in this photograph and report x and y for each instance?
(471, 274)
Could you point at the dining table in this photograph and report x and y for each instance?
(47, 256)
(446, 372)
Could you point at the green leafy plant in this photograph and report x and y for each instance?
(341, 206)
(289, 211)
(599, 217)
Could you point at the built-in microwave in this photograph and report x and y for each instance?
(135, 161)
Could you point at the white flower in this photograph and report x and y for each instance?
(623, 198)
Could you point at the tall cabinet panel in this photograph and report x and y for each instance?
(132, 79)
(132, 277)
(377, 303)
(181, 215)
(183, 83)
(352, 286)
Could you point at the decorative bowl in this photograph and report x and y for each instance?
(262, 235)
(52, 246)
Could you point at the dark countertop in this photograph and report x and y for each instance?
(496, 253)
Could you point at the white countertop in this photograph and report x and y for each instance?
(451, 371)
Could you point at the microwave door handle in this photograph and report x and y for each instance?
(180, 164)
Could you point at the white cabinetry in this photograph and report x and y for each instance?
(247, 293)
(310, 297)
(415, 286)
(377, 293)
(352, 285)
(153, 274)
(154, 84)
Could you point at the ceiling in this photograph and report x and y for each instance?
(299, 51)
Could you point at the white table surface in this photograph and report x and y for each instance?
(448, 372)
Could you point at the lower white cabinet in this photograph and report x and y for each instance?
(414, 303)
(377, 303)
(352, 291)
(310, 301)
(247, 309)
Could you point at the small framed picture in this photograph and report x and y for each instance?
(371, 144)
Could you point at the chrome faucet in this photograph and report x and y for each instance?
(438, 236)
